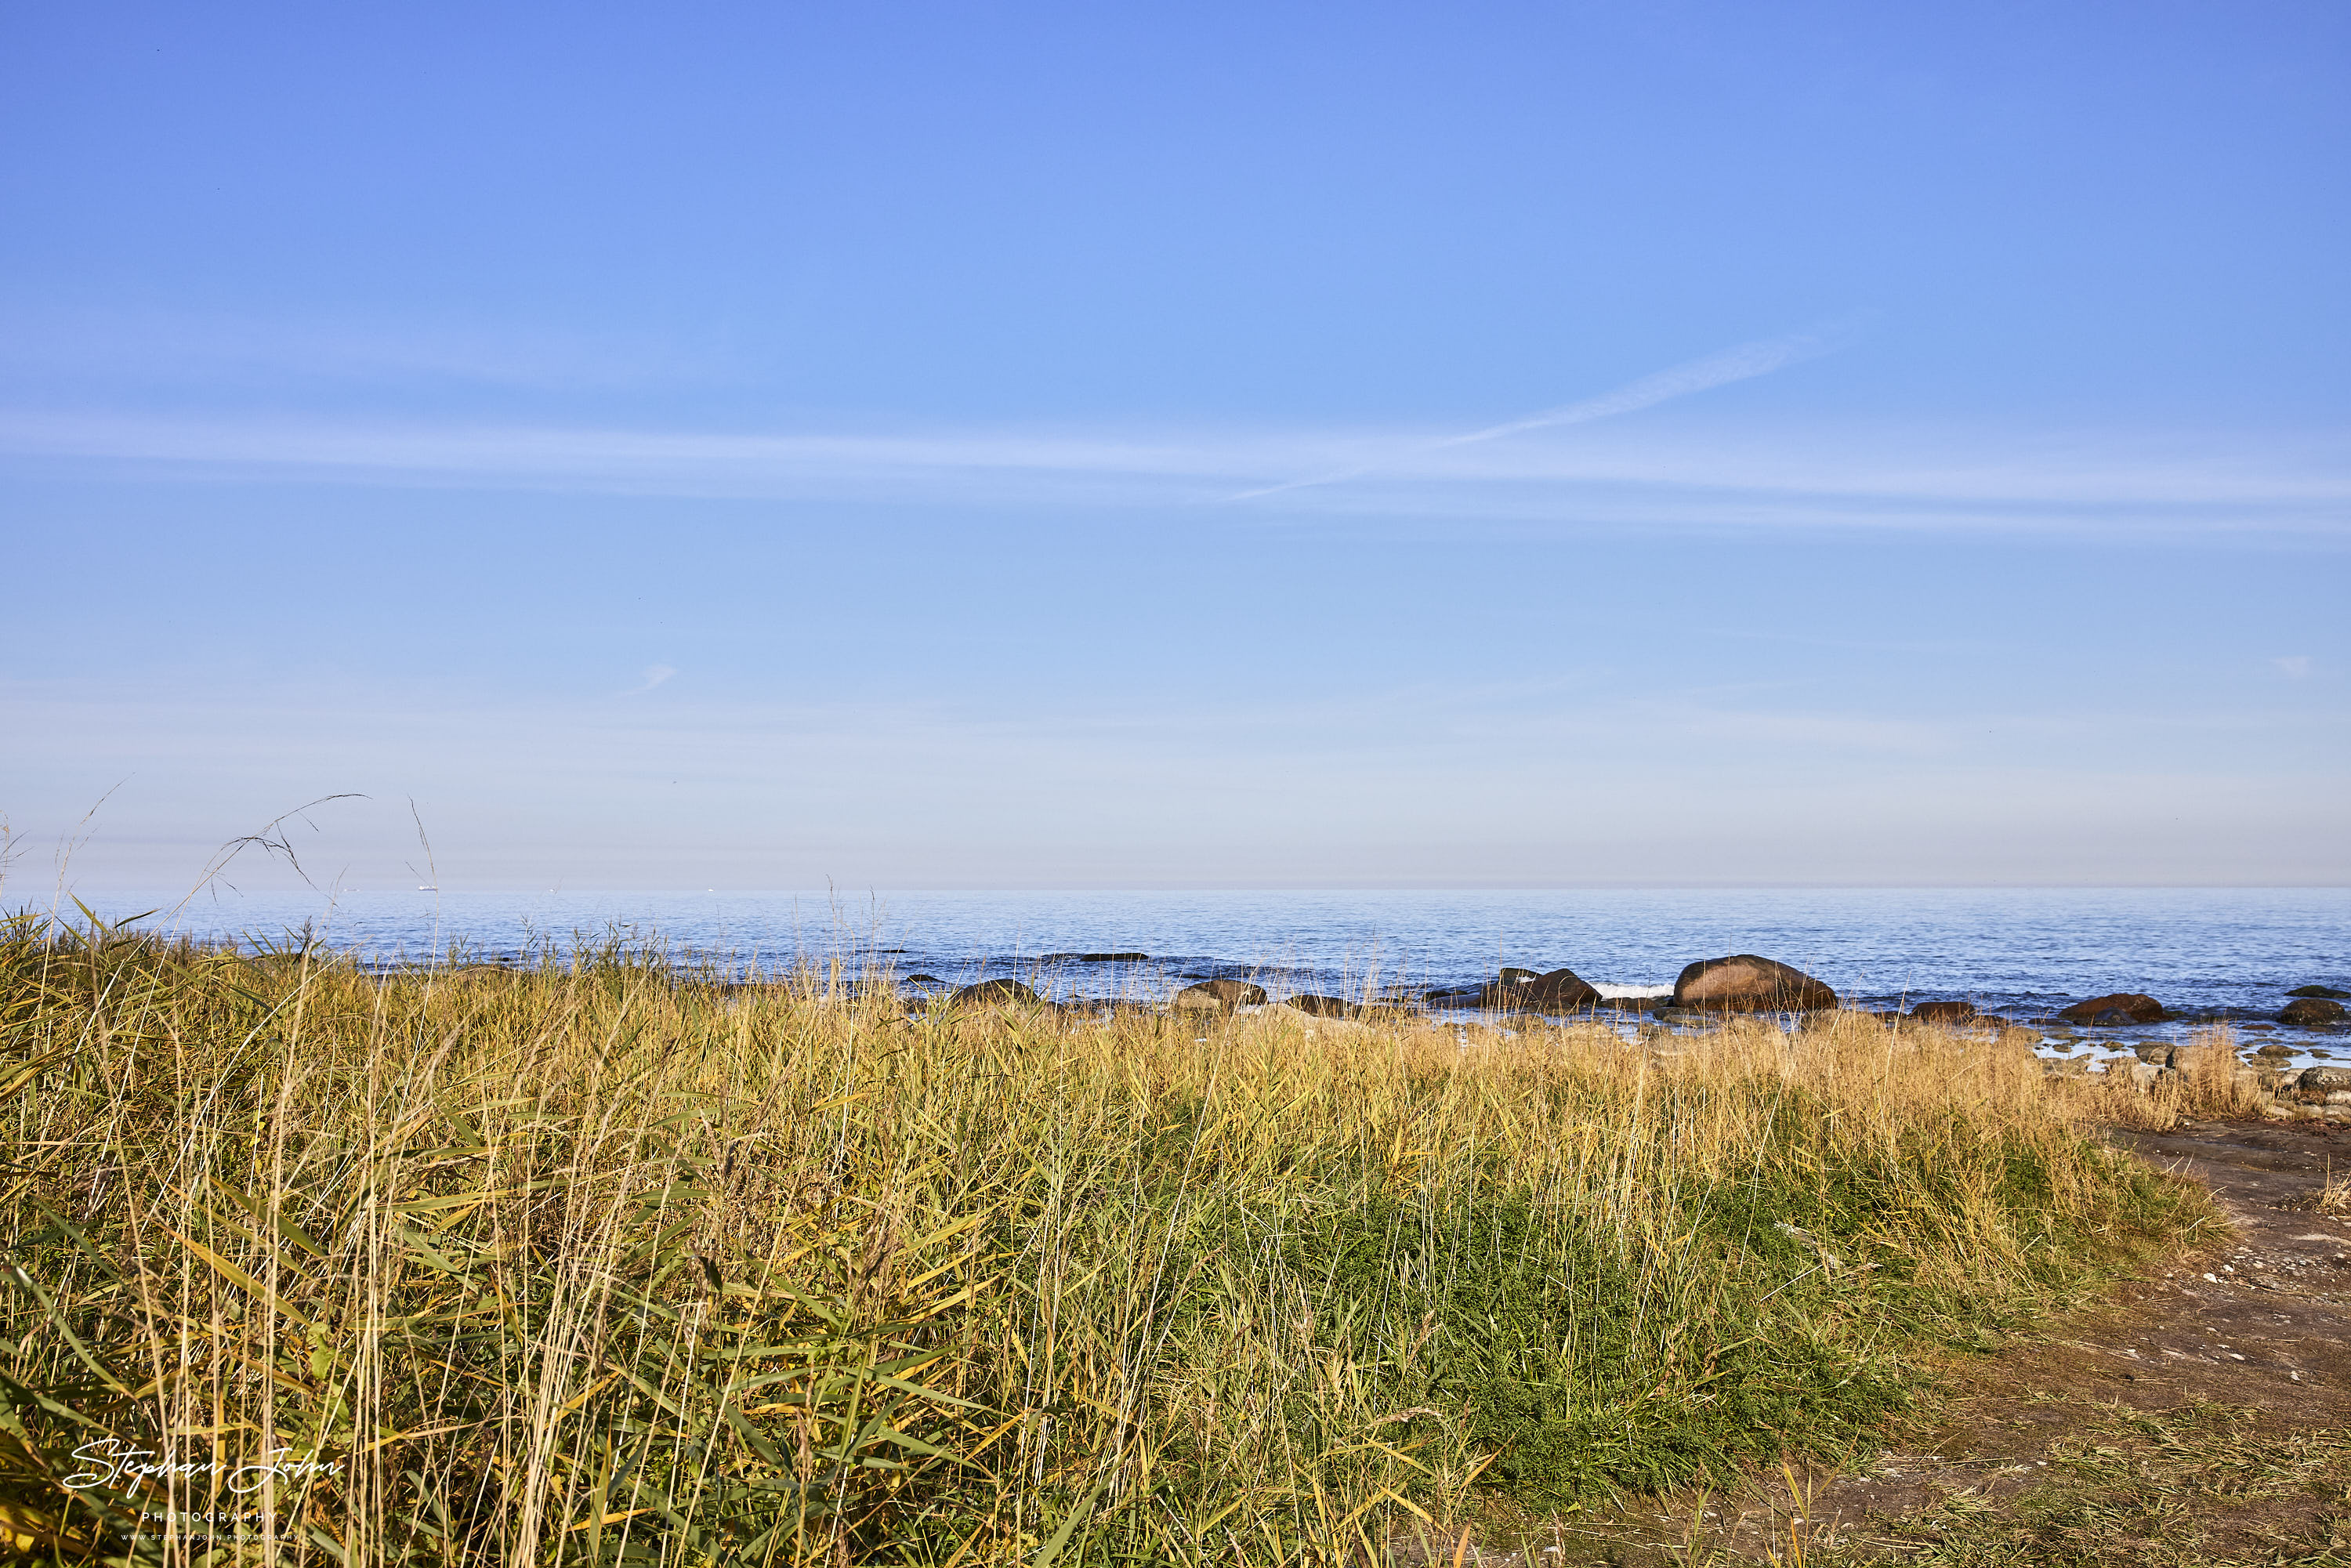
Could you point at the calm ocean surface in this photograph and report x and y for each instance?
(2026, 952)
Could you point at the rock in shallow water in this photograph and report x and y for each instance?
(2320, 991)
(997, 991)
(1943, 1012)
(2125, 1007)
(1634, 1003)
(1746, 983)
(1323, 1007)
(2304, 1011)
(1222, 995)
(1559, 990)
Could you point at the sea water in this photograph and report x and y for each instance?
(2204, 953)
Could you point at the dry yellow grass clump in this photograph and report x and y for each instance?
(595, 1263)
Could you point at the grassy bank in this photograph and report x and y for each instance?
(590, 1264)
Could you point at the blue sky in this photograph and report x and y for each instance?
(1208, 446)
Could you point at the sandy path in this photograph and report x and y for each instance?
(2173, 1425)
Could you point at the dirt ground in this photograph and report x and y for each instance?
(2201, 1417)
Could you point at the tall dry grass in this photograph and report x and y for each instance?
(596, 1263)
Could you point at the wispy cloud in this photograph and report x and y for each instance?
(1742, 363)
(2294, 665)
(1675, 474)
(163, 349)
(654, 675)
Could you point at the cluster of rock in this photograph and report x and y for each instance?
(1743, 983)
(1747, 983)
(1738, 983)
(2320, 1092)
(2316, 1092)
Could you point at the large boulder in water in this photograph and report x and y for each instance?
(1554, 991)
(2119, 1006)
(1220, 996)
(1744, 983)
(989, 991)
(2320, 991)
(1557, 991)
(2304, 1011)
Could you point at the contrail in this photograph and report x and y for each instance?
(1742, 363)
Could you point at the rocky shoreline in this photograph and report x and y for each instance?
(1742, 982)
(1709, 990)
